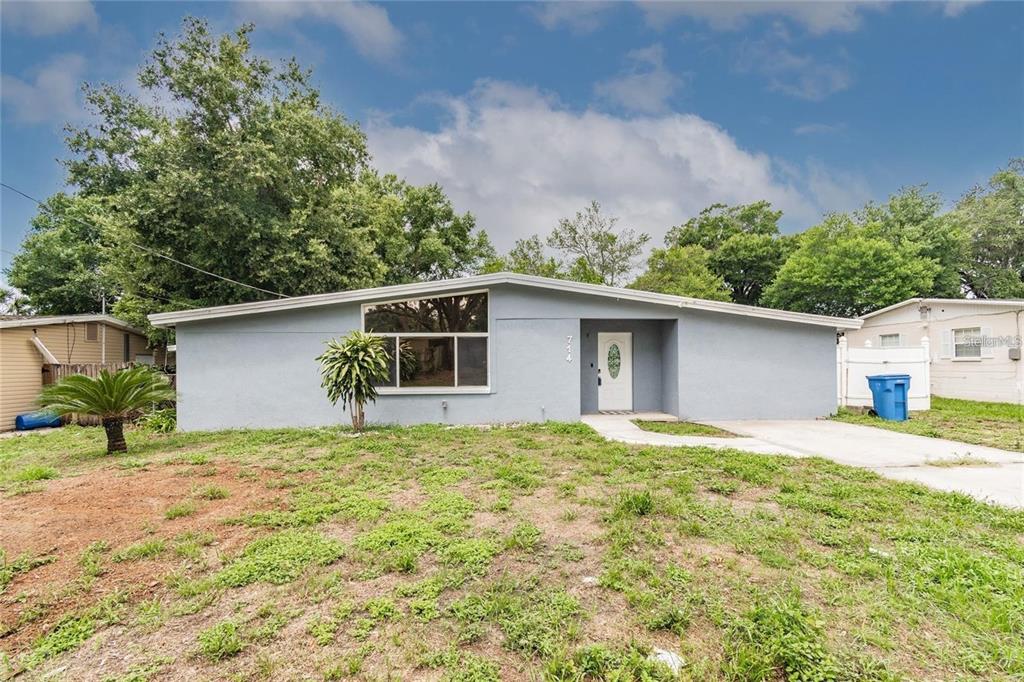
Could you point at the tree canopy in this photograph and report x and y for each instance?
(233, 165)
(846, 269)
(993, 220)
(682, 271)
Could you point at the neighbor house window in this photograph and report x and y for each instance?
(91, 331)
(967, 342)
(889, 341)
(433, 343)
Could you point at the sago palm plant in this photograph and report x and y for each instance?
(111, 396)
(350, 369)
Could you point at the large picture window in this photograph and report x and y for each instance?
(433, 343)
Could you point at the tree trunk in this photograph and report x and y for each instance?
(358, 417)
(114, 426)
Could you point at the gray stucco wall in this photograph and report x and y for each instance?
(261, 371)
(670, 366)
(734, 367)
(647, 362)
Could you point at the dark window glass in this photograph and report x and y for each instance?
(390, 343)
(472, 361)
(428, 362)
(453, 314)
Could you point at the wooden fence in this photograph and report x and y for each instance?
(53, 373)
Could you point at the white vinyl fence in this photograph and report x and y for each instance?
(854, 365)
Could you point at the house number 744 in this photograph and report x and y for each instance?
(568, 349)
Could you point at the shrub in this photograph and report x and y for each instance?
(164, 420)
(350, 370)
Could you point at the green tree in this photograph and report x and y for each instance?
(913, 216)
(351, 368)
(112, 396)
(718, 222)
(746, 249)
(246, 173)
(682, 271)
(416, 231)
(748, 262)
(845, 269)
(598, 250)
(528, 257)
(59, 266)
(993, 217)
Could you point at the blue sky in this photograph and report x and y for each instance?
(525, 112)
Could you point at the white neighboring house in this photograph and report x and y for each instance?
(975, 343)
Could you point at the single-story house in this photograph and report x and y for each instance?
(975, 343)
(505, 347)
(30, 345)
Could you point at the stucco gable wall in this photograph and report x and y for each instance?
(739, 368)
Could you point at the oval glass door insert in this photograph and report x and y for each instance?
(614, 360)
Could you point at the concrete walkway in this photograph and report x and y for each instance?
(891, 454)
(621, 427)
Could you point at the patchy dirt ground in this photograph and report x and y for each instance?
(119, 508)
(468, 554)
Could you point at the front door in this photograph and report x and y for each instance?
(615, 371)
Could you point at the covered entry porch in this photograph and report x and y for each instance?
(629, 365)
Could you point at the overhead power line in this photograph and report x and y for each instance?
(149, 250)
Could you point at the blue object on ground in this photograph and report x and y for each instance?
(36, 420)
(889, 392)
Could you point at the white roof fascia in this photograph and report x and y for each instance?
(47, 320)
(1008, 302)
(442, 286)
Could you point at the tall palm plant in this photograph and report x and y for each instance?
(351, 367)
(111, 396)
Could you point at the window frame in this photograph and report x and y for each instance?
(952, 340)
(899, 340)
(398, 389)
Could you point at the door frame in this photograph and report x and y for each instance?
(600, 350)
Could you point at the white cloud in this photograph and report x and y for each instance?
(800, 75)
(48, 18)
(647, 84)
(819, 128)
(578, 16)
(520, 161)
(955, 8)
(51, 94)
(818, 17)
(368, 26)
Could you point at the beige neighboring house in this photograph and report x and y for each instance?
(975, 343)
(29, 343)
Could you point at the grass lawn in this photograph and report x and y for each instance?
(999, 425)
(683, 428)
(538, 552)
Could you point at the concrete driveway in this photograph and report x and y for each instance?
(899, 456)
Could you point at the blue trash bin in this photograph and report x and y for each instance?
(889, 393)
(36, 420)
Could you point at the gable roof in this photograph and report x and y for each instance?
(1008, 302)
(440, 286)
(47, 320)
